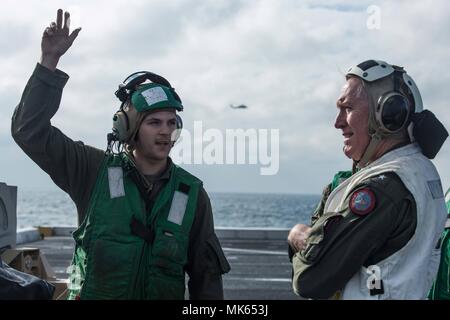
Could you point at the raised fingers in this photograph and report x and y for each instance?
(66, 20)
(45, 34)
(59, 18)
(51, 29)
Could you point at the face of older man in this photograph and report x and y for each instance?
(353, 118)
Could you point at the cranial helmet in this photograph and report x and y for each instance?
(393, 96)
(139, 98)
(395, 108)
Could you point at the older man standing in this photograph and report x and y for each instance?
(378, 235)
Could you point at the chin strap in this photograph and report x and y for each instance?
(370, 150)
(354, 167)
(375, 135)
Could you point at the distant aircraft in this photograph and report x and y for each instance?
(241, 106)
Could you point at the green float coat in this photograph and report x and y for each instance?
(110, 262)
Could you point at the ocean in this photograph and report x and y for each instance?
(55, 208)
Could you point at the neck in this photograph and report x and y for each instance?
(149, 166)
(385, 146)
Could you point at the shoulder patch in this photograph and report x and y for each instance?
(362, 201)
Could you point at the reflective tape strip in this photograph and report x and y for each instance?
(154, 95)
(178, 207)
(115, 180)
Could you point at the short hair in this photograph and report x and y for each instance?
(360, 91)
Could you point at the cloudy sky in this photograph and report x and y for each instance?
(284, 59)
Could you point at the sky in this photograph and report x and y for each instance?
(285, 60)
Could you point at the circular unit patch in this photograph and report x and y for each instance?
(362, 202)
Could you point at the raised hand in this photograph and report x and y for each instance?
(56, 40)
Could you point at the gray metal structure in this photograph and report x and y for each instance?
(8, 215)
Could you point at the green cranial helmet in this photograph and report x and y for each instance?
(138, 98)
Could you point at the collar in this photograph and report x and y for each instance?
(131, 165)
(165, 175)
(397, 151)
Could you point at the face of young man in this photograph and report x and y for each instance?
(154, 135)
(353, 118)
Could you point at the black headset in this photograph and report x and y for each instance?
(393, 110)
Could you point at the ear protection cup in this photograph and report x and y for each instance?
(179, 122)
(393, 112)
(177, 132)
(120, 126)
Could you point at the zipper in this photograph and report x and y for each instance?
(144, 245)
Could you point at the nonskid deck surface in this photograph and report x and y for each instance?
(260, 268)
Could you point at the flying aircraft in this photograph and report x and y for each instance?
(241, 106)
